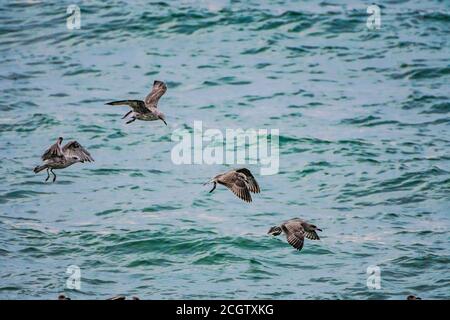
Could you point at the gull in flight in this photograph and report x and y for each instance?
(296, 230)
(58, 157)
(146, 110)
(240, 181)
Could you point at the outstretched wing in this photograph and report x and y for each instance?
(137, 105)
(295, 233)
(296, 239)
(52, 152)
(311, 235)
(310, 232)
(253, 185)
(159, 88)
(233, 181)
(74, 150)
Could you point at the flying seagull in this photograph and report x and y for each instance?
(240, 181)
(296, 230)
(146, 110)
(58, 157)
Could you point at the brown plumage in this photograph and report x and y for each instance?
(158, 90)
(55, 150)
(74, 150)
(240, 181)
(296, 230)
(146, 110)
(57, 157)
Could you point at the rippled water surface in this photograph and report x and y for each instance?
(364, 119)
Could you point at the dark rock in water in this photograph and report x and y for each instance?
(413, 297)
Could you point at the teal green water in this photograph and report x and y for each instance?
(364, 149)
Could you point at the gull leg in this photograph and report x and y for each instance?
(214, 188)
(127, 114)
(130, 121)
(54, 175)
(48, 174)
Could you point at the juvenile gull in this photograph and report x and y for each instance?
(146, 110)
(240, 181)
(296, 230)
(58, 157)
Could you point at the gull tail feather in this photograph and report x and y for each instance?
(39, 168)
